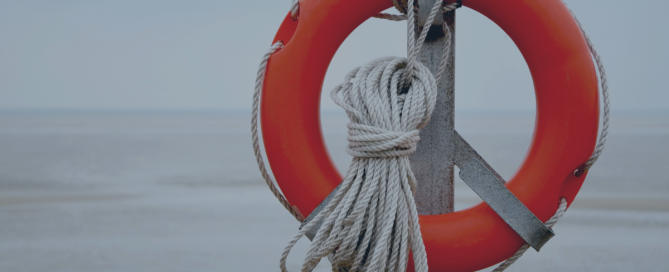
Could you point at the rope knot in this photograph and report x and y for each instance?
(368, 141)
(385, 115)
(371, 223)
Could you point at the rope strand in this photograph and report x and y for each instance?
(604, 83)
(562, 208)
(294, 9)
(254, 131)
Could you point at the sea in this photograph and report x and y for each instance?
(181, 191)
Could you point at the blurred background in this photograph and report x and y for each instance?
(125, 134)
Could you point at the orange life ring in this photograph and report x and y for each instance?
(564, 136)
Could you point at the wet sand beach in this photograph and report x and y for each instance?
(180, 191)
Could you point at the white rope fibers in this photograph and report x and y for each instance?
(294, 9)
(371, 223)
(254, 131)
(604, 83)
(562, 208)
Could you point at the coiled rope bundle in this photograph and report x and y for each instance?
(371, 223)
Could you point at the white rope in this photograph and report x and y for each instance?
(550, 223)
(294, 9)
(605, 97)
(375, 205)
(254, 130)
(371, 223)
(400, 5)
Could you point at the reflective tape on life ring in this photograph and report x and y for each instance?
(564, 136)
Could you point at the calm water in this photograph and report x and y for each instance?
(180, 191)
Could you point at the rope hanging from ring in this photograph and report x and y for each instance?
(371, 224)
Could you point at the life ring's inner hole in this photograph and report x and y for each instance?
(494, 94)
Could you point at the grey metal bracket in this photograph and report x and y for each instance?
(489, 185)
(311, 233)
(464, 153)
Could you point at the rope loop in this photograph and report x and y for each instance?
(385, 117)
(604, 87)
(401, 5)
(254, 132)
(371, 223)
(562, 208)
(295, 9)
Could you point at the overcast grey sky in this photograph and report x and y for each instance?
(199, 55)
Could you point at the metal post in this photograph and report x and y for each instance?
(433, 161)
